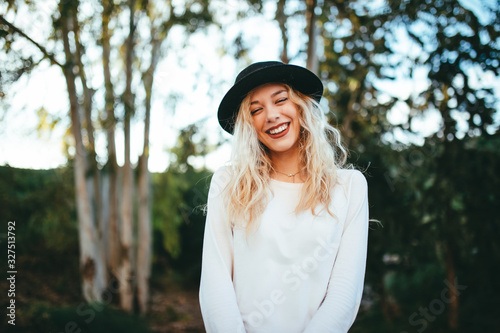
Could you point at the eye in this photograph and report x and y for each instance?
(253, 112)
(281, 100)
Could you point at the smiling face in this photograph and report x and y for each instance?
(275, 118)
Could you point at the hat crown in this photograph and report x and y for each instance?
(255, 67)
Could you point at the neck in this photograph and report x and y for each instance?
(286, 164)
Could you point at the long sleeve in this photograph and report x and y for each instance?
(217, 296)
(340, 306)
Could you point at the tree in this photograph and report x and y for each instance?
(454, 50)
(362, 50)
(311, 30)
(97, 189)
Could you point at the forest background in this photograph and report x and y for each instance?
(102, 244)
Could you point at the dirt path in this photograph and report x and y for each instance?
(175, 311)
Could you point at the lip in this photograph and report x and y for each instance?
(279, 135)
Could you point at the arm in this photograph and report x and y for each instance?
(217, 297)
(340, 306)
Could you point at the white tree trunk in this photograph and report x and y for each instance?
(144, 237)
(125, 274)
(110, 206)
(144, 223)
(91, 265)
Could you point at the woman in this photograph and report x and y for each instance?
(286, 232)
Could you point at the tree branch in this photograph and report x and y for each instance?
(46, 53)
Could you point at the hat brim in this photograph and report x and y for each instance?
(299, 78)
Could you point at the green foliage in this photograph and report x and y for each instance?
(167, 195)
(180, 194)
(195, 15)
(354, 46)
(431, 199)
(191, 231)
(95, 318)
(454, 49)
(42, 204)
(425, 278)
(436, 201)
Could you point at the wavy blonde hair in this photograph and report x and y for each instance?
(321, 154)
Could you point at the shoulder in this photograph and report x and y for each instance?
(220, 178)
(355, 188)
(353, 179)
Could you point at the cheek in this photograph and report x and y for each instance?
(257, 126)
(293, 113)
(295, 118)
(297, 133)
(257, 122)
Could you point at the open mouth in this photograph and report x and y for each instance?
(278, 129)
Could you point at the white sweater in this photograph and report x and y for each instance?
(296, 272)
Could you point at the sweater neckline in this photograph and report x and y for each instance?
(286, 184)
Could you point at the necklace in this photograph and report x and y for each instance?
(287, 174)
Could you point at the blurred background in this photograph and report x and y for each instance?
(109, 137)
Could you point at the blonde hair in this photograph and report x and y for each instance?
(321, 154)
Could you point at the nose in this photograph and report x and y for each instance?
(272, 113)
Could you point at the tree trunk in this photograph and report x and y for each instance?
(346, 128)
(281, 17)
(125, 273)
(312, 58)
(449, 253)
(451, 276)
(92, 171)
(113, 244)
(91, 265)
(144, 227)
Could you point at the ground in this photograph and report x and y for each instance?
(41, 289)
(175, 311)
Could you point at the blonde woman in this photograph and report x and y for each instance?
(286, 231)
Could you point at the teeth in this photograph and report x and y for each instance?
(279, 129)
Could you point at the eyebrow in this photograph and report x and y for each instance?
(272, 95)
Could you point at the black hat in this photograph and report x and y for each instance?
(259, 73)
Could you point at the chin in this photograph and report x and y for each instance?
(283, 148)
